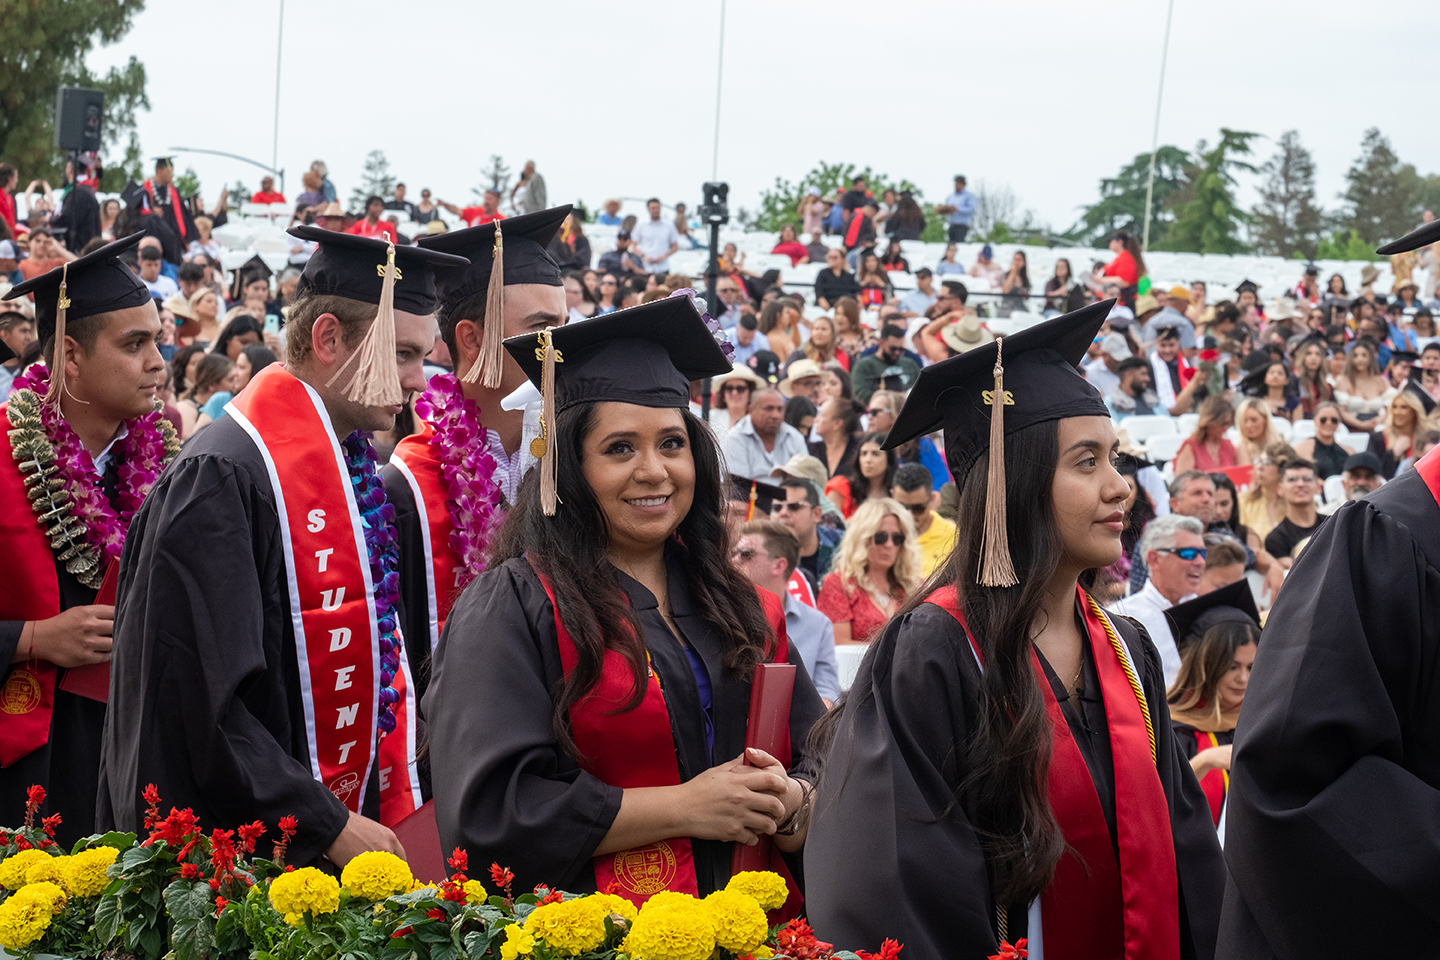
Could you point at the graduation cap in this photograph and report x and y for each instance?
(1409, 356)
(1247, 286)
(1233, 602)
(162, 163)
(252, 269)
(645, 355)
(761, 496)
(1423, 236)
(93, 284)
(1033, 376)
(492, 268)
(372, 270)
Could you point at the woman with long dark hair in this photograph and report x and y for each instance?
(838, 426)
(1218, 633)
(1128, 266)
(908, 220)
(1002, 767)
(588, 707)
(869, 476)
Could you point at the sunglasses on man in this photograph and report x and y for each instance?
(1184, 553)
(794, 506)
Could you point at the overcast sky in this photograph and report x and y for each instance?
(618, 99)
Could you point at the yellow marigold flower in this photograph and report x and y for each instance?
(763, 953)
(306, 890)
(668, 897)
(51, 894)
(740, 924)
(767, 887)
(48, 870)
(295, 919)
(673, 930)
(616, 904)
(14, 867)
(85, 872)
(518, 942)
(569, 927)
(376, 874)
(25, 917)
(475, 892)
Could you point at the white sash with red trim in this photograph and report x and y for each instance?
(332, 597)
(415, 458)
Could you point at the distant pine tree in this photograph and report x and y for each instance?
(1287, 220)
(376, 180)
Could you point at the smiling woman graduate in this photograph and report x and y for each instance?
(1004, 768)
(590, 695)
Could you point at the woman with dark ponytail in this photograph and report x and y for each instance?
(1003, 767)
(588, 706)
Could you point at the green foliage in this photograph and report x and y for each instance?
(1381, 194)
(1122, 199)
(376, 180)
(494, 177)
(239, 194)
(781, 203)
(1207, 218)
(188, 183)
(1346, 245)
(43, 46)
(1287, 220)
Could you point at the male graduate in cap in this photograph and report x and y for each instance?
(81, 446)
(257, 642)
(1003, 767)
(1333, 829)
(158, 195)
(450, 481)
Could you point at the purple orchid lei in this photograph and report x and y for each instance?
(467, 469)
(145, 452)
(726, 347)
(382, 545)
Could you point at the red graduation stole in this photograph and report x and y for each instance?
(1094, 907)
(636, 748)
(414, 457)
(332, 598)
(1216, 783)
(29, 590)
(174, 204)
(1429, 469)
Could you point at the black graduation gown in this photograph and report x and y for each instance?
(888, 855)
(68, 765)
(503, 789)
(79, 218)
(1333, 831)
(208, 704)
(163, 226)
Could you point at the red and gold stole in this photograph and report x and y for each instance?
(1216, 783)
(1096, 908)
(415, 458)
(636, 748)
(29, 590)
(332, 597)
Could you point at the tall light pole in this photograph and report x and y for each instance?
(1155, 137)
(719, 72)
(279, 49)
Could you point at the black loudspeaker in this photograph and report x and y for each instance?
(78, 117)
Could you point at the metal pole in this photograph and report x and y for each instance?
(275, 136)
(719, 72)
(712, 306)
(1155, 137)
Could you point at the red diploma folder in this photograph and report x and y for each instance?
(420, 836)
(768, 730)
(93, 681)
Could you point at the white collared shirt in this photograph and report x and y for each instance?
(509, 470)
(103, 458)
(1149, 606)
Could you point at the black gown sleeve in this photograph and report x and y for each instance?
(890, 853)
(414, 578)
(10, 631)
(205, 699)
(1333, 830)
(504, 790)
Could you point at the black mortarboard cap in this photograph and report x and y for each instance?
(766, 494)
(1247, 286)
(1409, 355)
(95, 283)
(645, 355)
(1190, 620)
(1423, 236)
(346, 265)
(525, 260)
(253, 269)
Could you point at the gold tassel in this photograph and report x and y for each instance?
(996, 567)
(376, 381)
(57, 358)
(491, 363)
(543, 446)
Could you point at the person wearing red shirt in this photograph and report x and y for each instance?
(371, 225)
(1127, 267)
(9, 180)
(487, 212)
(267, 192)
(791, 246)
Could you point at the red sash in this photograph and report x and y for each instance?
(1216, 783)
(1094, 907)
(332, 599)
(29, 590)
(1429, 469)
(799, 588)
(636, 748)
(174, 204)
(414, 457)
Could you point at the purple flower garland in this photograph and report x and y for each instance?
(144, 452)
(467, 469)
(382, 545)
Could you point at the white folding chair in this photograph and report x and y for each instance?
(847, 662)
(1161, 447)
(1186, 423)
(1334, 489)
(1302, 430)
(1283, 427)
(1142, 428)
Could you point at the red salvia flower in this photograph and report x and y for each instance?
(554, 896)
(1008, 951)
(152, 811)
(176, 829)
(50, 823)
(222, 851)
(798, 941)
(220, 904)
(435, 913)
(889, 950)
(189, 871)
(459, 860)
(34, 800)
(288, 826)
(215, 883)
(251, 832)
(502, 877)
(21, 843)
